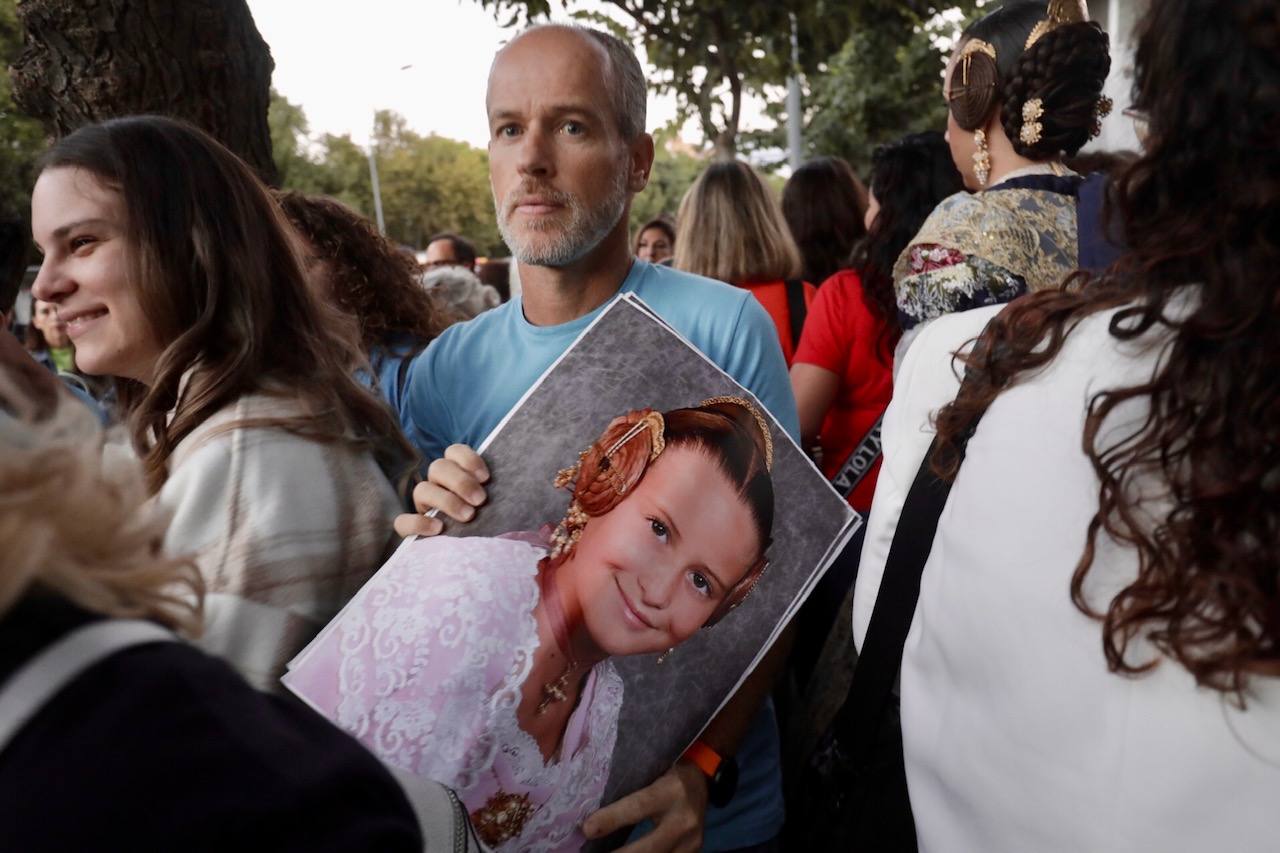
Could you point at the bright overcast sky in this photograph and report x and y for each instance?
(340, 60)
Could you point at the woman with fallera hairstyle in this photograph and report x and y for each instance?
(1023, 91)
(485, 663)
(1093, 661)
(172, 267)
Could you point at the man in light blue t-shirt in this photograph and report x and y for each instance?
(567, 153)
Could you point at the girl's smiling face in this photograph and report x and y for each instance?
(651, 572)
(80, 225)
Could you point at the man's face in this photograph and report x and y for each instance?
(561, 173)
(441, 253)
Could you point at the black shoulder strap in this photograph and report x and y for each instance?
(402, 373)
(881, 654)
(797, 310)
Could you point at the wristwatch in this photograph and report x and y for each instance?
(721, 772)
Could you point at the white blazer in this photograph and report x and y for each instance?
(1017, 737)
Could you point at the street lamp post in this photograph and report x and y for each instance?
(373, 169)
(377, 188)
(795, 117)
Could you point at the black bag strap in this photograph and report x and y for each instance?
(881, 654)
(797, 310)
(402, 373)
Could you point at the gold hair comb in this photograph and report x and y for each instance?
(654, 423)
(1058, 13)
(971, 47)
(760, 422)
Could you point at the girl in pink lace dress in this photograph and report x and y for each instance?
(483, 663)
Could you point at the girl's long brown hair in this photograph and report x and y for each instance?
(217, 277)
(1201, 216)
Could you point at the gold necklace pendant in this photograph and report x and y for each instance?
(556, 691)
(502, 817)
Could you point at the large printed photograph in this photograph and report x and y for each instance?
(650, 530)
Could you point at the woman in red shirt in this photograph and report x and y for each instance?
(842, 375)
(730, 227)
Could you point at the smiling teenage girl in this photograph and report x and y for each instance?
(172, 269)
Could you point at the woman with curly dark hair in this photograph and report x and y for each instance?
(370, 280)
(1094, 659)
(841, 375)
(1024, 90)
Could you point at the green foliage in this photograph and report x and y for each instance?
(709, 52)
(429, 184)
(886, 81)
(674, 170)
(21, 138)
(875, 91)
(432, 184)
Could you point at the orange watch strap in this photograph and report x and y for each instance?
(706, 758)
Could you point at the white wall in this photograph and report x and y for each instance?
(1118, 18)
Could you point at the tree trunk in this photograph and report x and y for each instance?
(198, 60)
(724, 146)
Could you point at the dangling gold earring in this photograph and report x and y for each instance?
(662, 658)
(981, 158)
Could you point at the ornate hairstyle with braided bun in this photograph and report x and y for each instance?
(729, 431)
(1065, 68)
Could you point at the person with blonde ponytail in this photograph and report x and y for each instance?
(114, 735)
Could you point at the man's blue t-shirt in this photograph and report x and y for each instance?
(467, 380)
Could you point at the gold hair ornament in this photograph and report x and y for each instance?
(569, 530)
(567, 533)
(1031, 131)
(656, 426)
(1059, 12)
(981, 158)
(760, 422)
(971, 47)
(1100, 111)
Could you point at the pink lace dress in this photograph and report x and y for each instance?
(424, 667)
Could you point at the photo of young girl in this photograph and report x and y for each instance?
(508, 661)
(665, 535)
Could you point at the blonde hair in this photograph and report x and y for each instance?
(730, 227)
(77, 526)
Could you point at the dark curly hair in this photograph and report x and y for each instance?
(372, 280)
(1200, 209)
(823, 203)
(908, 178)
(1066, 69)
